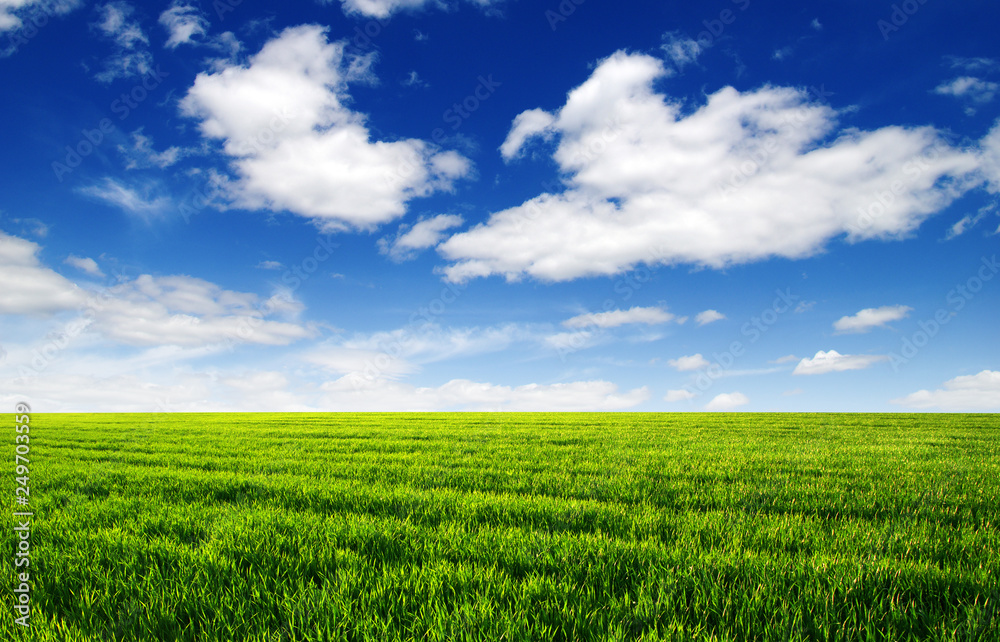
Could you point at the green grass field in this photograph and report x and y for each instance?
(510, 527)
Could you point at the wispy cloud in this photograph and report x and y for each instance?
(411, 239)
(973, 64)
(689, 363)
(184, 24)
(727, 401)
(870, 318)
(29, 226)
(131, 200)
(350, 393)
(84, 264)
(414, 80)
(14, 12)
(615, 318)
(709, 316)
(678, 395)
(781, 54)
(385, 8)
(833, 361)
(141, 154)
(967, 222)
(404, 350)
(680, 49)
(190, 312)
(975, 89)
(131, 56)
(968, 393)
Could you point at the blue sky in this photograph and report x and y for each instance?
(500, 205)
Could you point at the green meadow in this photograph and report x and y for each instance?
(500, 526)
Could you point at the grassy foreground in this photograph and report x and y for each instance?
(510, 527)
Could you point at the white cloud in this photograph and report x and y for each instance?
(184, 22)
(527, 124)
(679, 395)
(833, 361)
(409, 240)
(727, 401)
(990, 158)
(615, 318)
(270, 265)
(26, 287)
(788, 358)
(709, 316)
(84, 264)
(689, 363)
(980, 91)
(870, 318)
(816, 24)
(295, 144)
(355, 394)
(127, 198)
(131, 57)
(969, 393)
(648, 183)
(385, 8)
